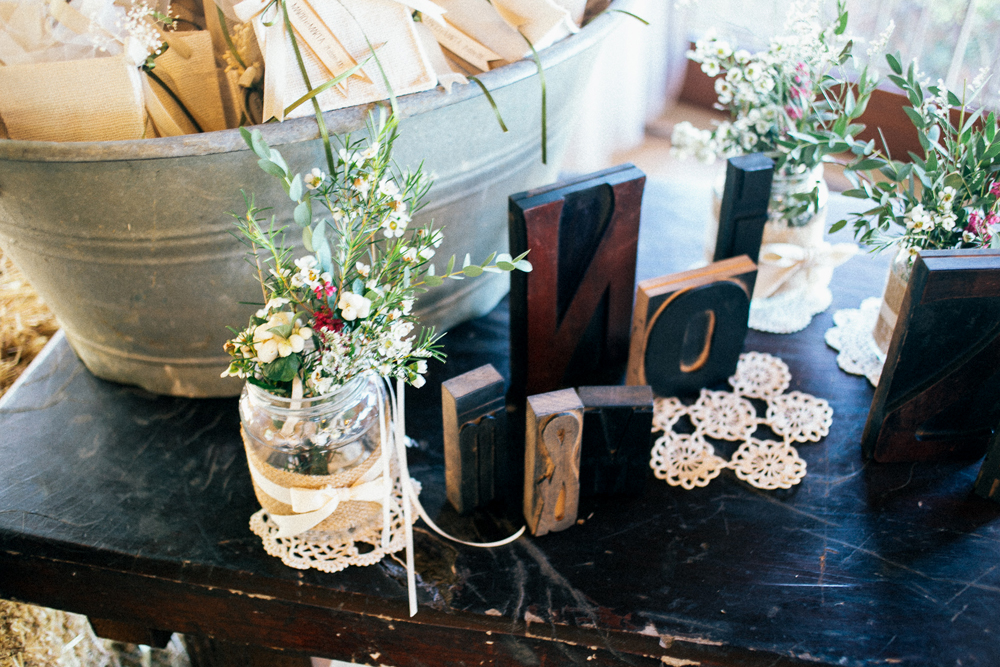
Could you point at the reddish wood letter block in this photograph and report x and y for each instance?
(937, 398)
(476, 450)
(570, 315)
(552, 461)
(688, 328)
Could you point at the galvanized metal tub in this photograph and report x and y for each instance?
(129, 242)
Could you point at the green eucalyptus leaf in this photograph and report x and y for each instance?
(303, 213)
(282, 369)
(523, 265)
(433, 281)
(914, 117)
(505, 266)
(319, 232)
(841, 24)
(260, 146)
(472, 270)
(358, 287)
(247, 137)
(271, 168)
(837, 226)
(954, 180)
(868, 164)
(899, 81)
(283, 330)
(451, 265)
(893, 61)
(295, 188)
(467, 261)
(280, 161)
(307, 239)
(856, 193)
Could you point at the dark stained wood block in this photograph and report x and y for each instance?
(552, 461)
(937, 397)
(570, 315)
(476, 451)
(617, 439)
(744, 207)
(129, 633)
(688, 328)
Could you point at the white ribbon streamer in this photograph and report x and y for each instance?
(410, 500)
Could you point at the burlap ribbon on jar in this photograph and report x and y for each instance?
(350, 500)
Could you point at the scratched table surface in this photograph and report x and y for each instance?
(134, 508)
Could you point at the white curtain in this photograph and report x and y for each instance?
(638, 71)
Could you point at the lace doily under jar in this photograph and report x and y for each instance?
(851, 335)
(789, 311)
(333, 552)
(689, 460)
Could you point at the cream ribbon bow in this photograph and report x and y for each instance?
(778, 263)
(312, 506)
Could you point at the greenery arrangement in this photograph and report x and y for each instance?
(347, 308)
(947, 198)
(783, 102)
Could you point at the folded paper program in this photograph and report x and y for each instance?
(57, 54)
(333, 37)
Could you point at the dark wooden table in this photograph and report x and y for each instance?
(133, 509)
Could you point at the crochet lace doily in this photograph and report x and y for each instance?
(335, 552)
(851, 336)
(789, 311)
(689, 460)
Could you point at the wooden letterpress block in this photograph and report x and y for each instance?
(744, 207)
(617, 439)
(688, 328)
(552, 461)
(475, 438)
(570, 315)
(937, 397)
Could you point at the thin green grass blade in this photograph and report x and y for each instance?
(324, 133)
(322, 87)
(229, 40)
(489, 98)
(541, 80)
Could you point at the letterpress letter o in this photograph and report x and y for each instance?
(695, 338)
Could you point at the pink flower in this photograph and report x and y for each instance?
(326, 289)
(975, 222)
(793, 112)
(992, 220)
(995, 189)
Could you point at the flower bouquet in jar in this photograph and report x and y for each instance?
(947, 198)
(786, 103)
(321, 422)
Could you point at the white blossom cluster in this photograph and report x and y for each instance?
(769, 93)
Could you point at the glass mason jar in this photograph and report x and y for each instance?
(324, 435)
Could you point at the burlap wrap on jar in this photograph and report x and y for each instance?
(360, 520)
